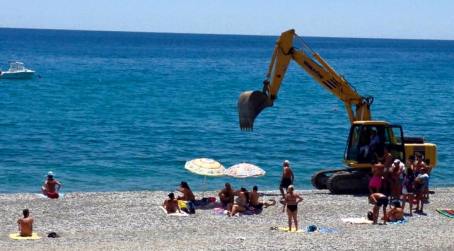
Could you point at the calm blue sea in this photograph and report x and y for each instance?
(117, 111)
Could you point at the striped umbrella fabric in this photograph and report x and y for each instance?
(244, 170)
(205, 167)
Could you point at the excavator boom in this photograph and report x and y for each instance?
(251, 103)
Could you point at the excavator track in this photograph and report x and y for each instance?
(348, 181)
(320, 179)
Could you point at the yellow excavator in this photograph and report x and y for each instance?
(368, 139)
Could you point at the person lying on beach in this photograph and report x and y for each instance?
(171, 204)
(25, 224)
(395, 213)
(51, 186)
(186, 191)
(241, 202)
(291, 201)
(378, 200)
(254, 200)
(226, 195)
(287, 177)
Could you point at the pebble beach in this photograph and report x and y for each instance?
(134, 221)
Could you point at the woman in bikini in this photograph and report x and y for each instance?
(291, 202)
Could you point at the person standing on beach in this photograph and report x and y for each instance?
(287, 177)
(291, 201)
(25, 224)
(376, 180)
(51, 186)
(378, 200)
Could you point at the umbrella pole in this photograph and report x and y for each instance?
(204, 186)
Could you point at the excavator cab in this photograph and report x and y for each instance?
(368, 140)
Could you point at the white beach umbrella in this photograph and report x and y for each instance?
(244, 170)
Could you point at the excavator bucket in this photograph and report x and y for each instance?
(250, 104)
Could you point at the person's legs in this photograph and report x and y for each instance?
(384, 214)
(295, 219)
(375, 213)
(282, 191)
(289, 215)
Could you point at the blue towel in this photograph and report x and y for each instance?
(398, 222)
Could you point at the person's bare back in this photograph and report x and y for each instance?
(25, 224)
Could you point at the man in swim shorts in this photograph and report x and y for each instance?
(254, 200)
(25, 224)
(376, 180)
(287, 177)
(378, 200)
(51, 186)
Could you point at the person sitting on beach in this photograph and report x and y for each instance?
(51, 186)
(186, 191)
(376, 180)
(25, 224)
(421, 184)
(226, 195)
(171, 204)
(254, 200)
(291, 201)
(241, 202)
(378, 200)
(396, 213)
(287, 177)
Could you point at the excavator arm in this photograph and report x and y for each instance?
(251, 103)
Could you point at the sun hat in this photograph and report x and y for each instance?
(286, 162)
(396, 161)
(50, 173)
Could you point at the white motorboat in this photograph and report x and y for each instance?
(17, 70)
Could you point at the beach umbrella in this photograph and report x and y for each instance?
(244, 170)
(205, 167)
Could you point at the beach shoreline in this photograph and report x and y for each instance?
(133, 220)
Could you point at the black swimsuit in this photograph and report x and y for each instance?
(292, 208)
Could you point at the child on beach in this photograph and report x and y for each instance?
(291, 201)
(378, 200)
(171, 204)
(25, 224)
(51, 186)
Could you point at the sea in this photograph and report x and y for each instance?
(124, 111)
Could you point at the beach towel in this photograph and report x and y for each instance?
(446, 212)
(360, 220)
(327, 230)
(174, 214)
(219, 211)
(285, 229)
(398, 222)
(42, 196)
(16, 236)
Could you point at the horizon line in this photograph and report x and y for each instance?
(219, 34)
